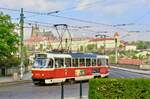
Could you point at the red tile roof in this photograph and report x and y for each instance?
(127, 61)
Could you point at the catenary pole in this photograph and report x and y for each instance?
(21, 43)
(116, 50)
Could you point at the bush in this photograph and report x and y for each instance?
(119, 88)
(10, 62)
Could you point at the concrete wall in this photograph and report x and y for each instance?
(145, 67)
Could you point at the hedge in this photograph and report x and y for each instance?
(119, 88)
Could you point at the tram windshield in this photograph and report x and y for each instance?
(40, 63)
(104, 61)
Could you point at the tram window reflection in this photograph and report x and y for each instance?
(98, 62)
(88, 62)
(103, 61)
(59, 62)
(68, 62)
(82, 62)
(75, 62)
(50, 64)
(107, 62)
(93, 62)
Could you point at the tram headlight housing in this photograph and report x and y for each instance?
(42, 74)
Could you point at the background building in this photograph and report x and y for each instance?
(46, 41)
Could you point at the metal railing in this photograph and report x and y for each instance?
(62, 90)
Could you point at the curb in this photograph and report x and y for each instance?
(15, 82)
(132, 70)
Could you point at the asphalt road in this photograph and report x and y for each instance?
(29, 91)
(117, 73)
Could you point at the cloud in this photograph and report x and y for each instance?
(82, 4)
(105, 6)
(41, 5)
(113, 7)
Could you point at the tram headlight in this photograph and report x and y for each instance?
(42, 74)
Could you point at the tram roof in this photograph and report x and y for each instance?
(102, 56)
(76, 55)
(59, 55)
(83, 55)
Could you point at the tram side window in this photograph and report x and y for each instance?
(50, 64)
(68, 62)
(75, 62)
(59, 62)
(88, 62)
(93, 62)
(107, 62)
(82, 62)
(98, 62)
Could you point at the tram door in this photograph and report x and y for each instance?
(59, 68)
(69, 71)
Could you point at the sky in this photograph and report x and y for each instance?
(87, 17)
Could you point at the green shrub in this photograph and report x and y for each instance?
(10, 62)
(119, 88)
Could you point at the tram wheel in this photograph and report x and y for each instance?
(38, 83)
(71, 81)
(106, 76)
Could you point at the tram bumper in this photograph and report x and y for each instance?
(104, 75)
(56, 80)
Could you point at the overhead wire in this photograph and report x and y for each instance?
(80, 20)
(31, 12)
(141, 17)
(75, 19)
(49, 14)
(34, 21)
(135, 21)
(64, 17)
(85, 5)
(38, 13)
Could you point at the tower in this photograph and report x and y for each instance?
(35, 30)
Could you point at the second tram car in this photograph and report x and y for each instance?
(57, 67)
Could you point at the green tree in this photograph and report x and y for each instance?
(141, 45)
(8, 38)
(81, 48)
(91, 47)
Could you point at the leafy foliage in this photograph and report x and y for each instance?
(119, 88)
(91, 48)
(8, 39)
(141, 44)
(10, 62)
(129, 53)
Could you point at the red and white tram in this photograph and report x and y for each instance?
(57, 67)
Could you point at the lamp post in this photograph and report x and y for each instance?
(96, 43)
(21, 45)
(116, 47)
(104, 44)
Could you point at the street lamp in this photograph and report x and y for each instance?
(96, 42)
(21, 43)
(116, 36)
